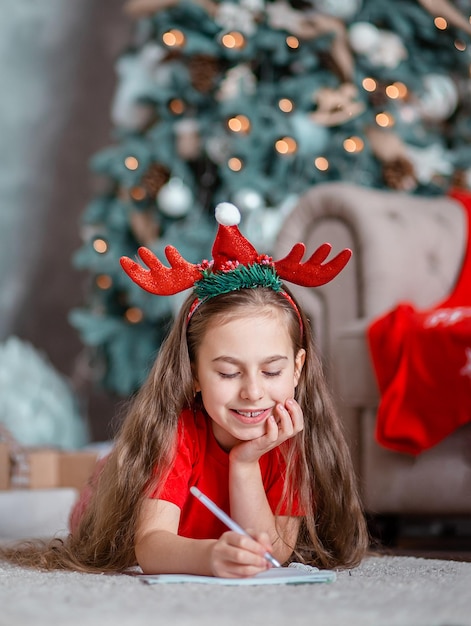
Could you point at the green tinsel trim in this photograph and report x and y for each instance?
(242, 277)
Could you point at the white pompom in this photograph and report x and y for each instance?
(227, 214)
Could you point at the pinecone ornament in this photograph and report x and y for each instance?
(203, 70)
(399, 174)
(459, 179)
(155, 178)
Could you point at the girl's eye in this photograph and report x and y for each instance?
(224, 375)
(236, 374)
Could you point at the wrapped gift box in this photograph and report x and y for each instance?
(48, 468)
(75, 468)
(4, 465)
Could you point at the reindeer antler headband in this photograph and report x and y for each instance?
(236, 265)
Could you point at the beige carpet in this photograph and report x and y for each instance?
(383, 591)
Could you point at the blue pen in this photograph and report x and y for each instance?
(228, 521)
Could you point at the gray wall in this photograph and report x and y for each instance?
(57, 80)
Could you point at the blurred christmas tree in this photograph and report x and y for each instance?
(252, 101)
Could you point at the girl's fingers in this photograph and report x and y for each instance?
(262, 539)
(286, 421)
(250, 549)
(239, 555)
(296, 415)
(273, 428)
(289, 418)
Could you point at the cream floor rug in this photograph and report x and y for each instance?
(383, 591)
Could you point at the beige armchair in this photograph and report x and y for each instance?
(404, 248)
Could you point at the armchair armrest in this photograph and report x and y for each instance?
(354, 374)
(405, 247)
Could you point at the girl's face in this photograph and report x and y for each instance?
(244, 367)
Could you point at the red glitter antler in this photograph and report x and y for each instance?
(313, 272)
(159, 279)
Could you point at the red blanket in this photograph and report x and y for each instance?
(422, 361)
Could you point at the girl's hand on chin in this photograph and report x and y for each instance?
(239, 556)
(286, 422)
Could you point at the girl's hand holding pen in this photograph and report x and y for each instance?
(239, 556)
(237, 553)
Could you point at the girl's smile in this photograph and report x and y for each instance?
(245, 367)
(253, 417)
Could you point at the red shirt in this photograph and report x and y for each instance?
(201, 462)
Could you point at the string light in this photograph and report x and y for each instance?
(321, 163)
(134, 315)
(460, 45)
(174, 38)
(233, 40)
(137, 193)
(235, 164)
(353, 144)
(402, 89)
(292, 42)
(440, 23)
(392, 92)
(286, 145)
(131, 163)
(100, 245)
(369, 84)
(239, 124)
(286, 105)
(104, 281)
(176, 106)
(384, 120)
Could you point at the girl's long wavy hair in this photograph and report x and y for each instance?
(333, 530)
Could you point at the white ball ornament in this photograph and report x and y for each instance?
(363, 37)
(227, 214)
(439, 99)
(248, 200)
(383, 48)
(343, 9)
(175, 199)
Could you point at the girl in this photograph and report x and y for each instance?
(237, 405)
